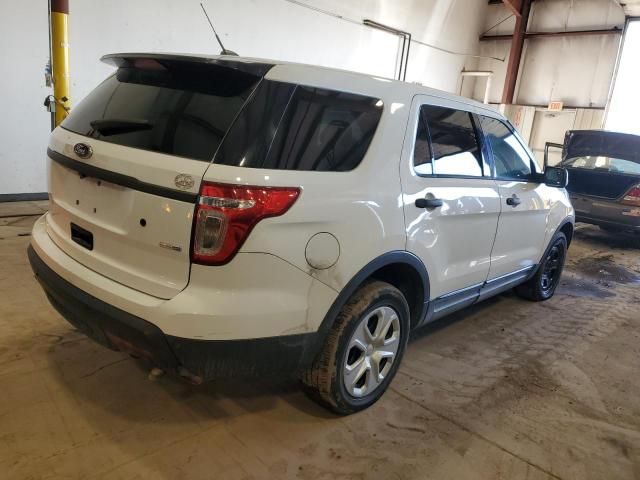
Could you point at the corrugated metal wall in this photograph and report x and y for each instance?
(576, 70)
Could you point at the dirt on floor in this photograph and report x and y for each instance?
(506, 389)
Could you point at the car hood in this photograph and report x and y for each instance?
(601, 143)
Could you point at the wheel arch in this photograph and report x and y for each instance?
(567, 227)
(400, 268)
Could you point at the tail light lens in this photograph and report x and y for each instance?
(226, 214)
(632, 197)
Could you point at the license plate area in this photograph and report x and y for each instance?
(82, 237)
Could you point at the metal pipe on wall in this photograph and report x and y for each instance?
(60, 57)
(406, 44)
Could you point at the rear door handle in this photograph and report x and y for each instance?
(428, 203)
(514, 200)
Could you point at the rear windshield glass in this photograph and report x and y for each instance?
(321, 130)
(179, 108)
(604, 164)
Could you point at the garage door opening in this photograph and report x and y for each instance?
(625, 100)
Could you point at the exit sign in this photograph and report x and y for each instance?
(556, 106)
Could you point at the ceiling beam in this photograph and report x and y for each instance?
(575, 33)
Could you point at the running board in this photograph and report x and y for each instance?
(505, 282)
(459, 299)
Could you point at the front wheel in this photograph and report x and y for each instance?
(543, 284)
(363, 350)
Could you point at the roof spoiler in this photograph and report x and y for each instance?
(120, 60)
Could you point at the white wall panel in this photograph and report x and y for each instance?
(575, 70)
(263, 28)
(550, 127)
(561, 15)
(24, 125)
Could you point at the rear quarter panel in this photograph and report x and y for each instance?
(362, 208)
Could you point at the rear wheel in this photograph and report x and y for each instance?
(543, 284)
(363, 350)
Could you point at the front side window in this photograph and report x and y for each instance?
(511, 159)
(453, 147)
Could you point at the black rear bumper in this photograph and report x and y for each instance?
(632, 226)
(201, 360)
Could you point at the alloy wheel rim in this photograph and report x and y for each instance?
(551, 270)
(371, 351)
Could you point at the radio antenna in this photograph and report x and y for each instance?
(224, 50)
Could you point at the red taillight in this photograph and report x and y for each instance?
(632, 197)
(225, 215)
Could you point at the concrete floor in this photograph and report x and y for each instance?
(508, 389)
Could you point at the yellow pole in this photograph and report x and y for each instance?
(60, 57)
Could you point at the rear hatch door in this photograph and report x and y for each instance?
(127, 163)
(601, 164)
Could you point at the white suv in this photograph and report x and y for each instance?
(228, 216)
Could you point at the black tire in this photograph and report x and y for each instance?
(543, 284)
(324, 380)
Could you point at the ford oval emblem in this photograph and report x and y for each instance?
(83, 150)
(184, 181)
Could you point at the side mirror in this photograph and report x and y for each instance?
(556, 177)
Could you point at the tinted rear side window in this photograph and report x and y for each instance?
(251, 136)
(175, 108)
(454, 144)
(324, 130)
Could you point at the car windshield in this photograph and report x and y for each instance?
(605, 164)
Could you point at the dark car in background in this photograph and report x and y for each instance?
(604, 177)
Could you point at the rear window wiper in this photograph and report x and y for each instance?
(114, 126)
